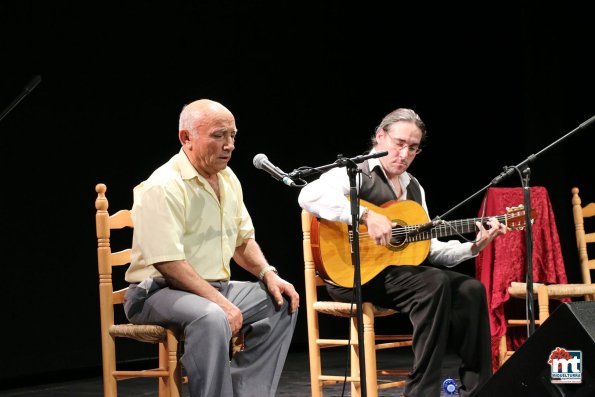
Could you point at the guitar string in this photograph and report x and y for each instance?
(405, 230)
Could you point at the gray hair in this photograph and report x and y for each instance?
(401, 114)
(187, 118)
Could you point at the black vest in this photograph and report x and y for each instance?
(376, 189)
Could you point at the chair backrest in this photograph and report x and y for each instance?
(106, 259)
(169, 371)
(313, 280)
(580, 212)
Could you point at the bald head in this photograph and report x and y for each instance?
(201, 111)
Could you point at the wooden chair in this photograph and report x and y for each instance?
(544, 293)
(169, 371)
(314, 307)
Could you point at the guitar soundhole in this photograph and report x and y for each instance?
(397, 242)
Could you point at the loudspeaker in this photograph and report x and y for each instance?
(528, 372)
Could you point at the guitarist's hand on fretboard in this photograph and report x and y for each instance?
(485, 236)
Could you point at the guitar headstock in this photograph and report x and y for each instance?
(515, 217)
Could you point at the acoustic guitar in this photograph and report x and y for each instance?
(409, 245)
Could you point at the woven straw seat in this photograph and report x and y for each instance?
(519, 290)
(342, 309)
(141, 333)
(554, 291)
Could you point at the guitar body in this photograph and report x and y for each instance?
(331, 247)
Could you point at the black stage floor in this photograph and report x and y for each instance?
(295, 380)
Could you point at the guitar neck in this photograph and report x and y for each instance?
(448, 228)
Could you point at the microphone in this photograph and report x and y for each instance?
(28, 88)
(586, 123)
(33, 83)
(262, 162)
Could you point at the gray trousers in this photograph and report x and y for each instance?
(255, 371)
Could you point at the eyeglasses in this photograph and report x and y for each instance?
(400, 145)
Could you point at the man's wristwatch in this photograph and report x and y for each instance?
(265, 271)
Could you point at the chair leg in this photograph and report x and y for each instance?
(369, 354)
(313, 334)
(110, 386)
(502, 350)
(543, 301)
(170, 386)
(315, 368)
(354, 353)
(175, 369)
(544, 312)
(163, 363)
(370, 350)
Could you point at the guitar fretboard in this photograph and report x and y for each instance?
(445, 228)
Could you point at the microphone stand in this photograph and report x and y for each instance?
(523, 169)
(28, 88)
(352, 170)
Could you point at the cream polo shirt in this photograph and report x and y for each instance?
(177, 216)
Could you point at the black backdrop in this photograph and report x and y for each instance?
(306, 81)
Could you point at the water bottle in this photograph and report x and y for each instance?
(449, 386)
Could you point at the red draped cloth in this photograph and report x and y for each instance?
(504, 260)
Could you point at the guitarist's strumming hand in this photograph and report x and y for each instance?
(380, 228)
(485, 236)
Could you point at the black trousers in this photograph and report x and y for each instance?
(446, 309)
